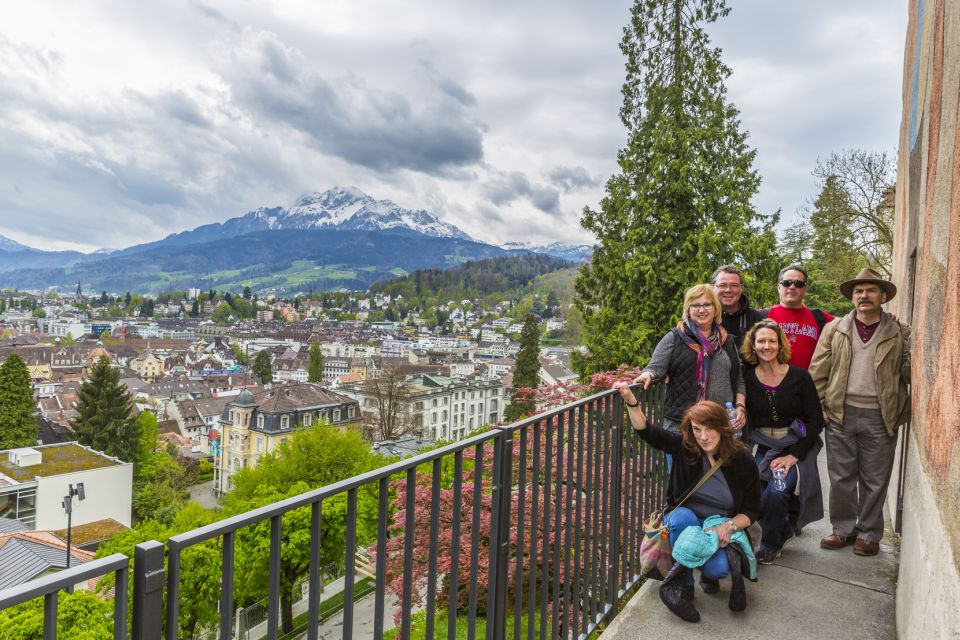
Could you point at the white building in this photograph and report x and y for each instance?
(34, 481)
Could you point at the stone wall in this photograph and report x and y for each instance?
(927, 274)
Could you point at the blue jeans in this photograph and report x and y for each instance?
(776, 507)
(717, 566)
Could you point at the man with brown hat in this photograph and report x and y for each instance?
(861, 367)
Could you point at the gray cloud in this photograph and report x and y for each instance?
(507, 187)
(375, 128)
(571, 178)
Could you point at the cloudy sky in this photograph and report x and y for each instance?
(122, 122)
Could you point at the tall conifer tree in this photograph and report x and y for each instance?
(262, 367)
(526, 374)
(315, 364)
(105, 421)
(680, 205)
(18, 426)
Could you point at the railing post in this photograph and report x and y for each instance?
(499, 536)
(148, 581)
(616, 499)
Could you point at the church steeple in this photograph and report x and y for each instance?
(79, 292)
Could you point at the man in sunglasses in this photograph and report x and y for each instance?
(800, 324)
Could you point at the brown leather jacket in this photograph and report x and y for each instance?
(831, 366)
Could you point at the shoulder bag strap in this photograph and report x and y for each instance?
(713, 469)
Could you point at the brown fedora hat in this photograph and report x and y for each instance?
(871, 276)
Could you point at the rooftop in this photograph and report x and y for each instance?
(58, 459)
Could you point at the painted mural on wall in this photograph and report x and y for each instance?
(927, 242)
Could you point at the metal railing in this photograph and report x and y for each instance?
(49, 586)
(536, 525)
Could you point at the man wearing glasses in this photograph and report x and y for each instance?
(738, 315)
(800, 324)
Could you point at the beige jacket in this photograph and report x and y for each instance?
(831, 366)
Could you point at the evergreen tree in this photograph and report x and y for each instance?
(262, 367)
(105, 422)
(247, 293)
(103, 298)
(315, 364)
(126, 300)
(195, 309)
(18, 427)
(833, 256)
(526, 374)
(680, 204)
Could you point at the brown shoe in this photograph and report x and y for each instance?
(835, 541)
(863, 548)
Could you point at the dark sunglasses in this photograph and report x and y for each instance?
(799, 284)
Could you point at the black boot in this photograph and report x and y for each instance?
(738, 592)
(708, 585)
(677, 596)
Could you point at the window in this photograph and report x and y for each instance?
(446, 400)
(307, 419)
(336, 415)
(351, 411)
(284, 422)
(434, 402)
(259, 445)
(260, 421)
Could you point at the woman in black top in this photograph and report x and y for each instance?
(733, 491)
(784, 420)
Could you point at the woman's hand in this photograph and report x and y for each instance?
(644, 378)
(637, 417)
(724, 531)
(783, 462)
(741, 418)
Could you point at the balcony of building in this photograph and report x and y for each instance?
(546, 546)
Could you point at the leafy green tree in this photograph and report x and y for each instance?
(105, 413)
(18, 426)
(680, 204)
(315, 364)
(262, 367)
(39, 313)
(311, 458)
(867, 181)
(222, 313)
(199, 565)
(159, 480)
(526, 373)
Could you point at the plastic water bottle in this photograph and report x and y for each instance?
(732, 415)
(778, 478)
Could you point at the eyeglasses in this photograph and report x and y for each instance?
(725, 287)
(702, 306)
(799, 284)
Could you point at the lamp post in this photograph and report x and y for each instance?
(68, 508)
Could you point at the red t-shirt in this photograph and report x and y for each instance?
(800, 327)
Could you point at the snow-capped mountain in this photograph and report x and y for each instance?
(6, 244)
(566, 251)
(350, 208)
(345, 208)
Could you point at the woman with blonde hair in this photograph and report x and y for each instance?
(784, 421)
(698, 359)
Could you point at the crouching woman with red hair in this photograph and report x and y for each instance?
(705, 447)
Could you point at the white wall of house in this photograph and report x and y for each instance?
(109, 494)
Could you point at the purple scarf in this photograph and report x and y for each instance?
(705, 347)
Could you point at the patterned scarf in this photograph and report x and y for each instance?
(705, 348)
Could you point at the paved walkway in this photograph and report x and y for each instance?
(808, 593)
